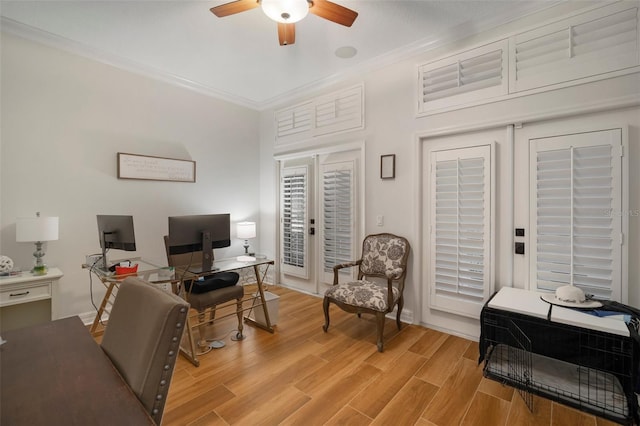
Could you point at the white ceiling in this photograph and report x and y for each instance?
(238, 57)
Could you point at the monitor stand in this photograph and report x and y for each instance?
(207, 252)
(103, 262)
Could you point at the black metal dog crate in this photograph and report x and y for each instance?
(588, 369)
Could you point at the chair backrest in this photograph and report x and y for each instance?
(142, 339)
(382, 254)
(184, 259)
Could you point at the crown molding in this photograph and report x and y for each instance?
(28, 32)
(516, 10)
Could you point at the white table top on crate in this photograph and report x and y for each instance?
(529, 303)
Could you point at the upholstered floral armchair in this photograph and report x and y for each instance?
(384, 256)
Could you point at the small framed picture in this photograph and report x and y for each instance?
(388, 166)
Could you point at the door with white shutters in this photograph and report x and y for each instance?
(338, 213)
(295, 211)
(461, 216)
(319, 218)
(576, 204)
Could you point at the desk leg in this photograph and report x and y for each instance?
(267, 327)
(103, 305)
(191, 353)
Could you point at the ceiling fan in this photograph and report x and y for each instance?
(287, 12)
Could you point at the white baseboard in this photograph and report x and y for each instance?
(473, 338)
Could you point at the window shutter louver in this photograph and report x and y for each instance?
(463, 76)
(337, 215)
(339, 111)
(335, 112)
(294, 120)
(576, 236)
(586, 45)
(469, 76)
(294, 220)
(460, 229)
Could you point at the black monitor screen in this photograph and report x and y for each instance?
(186, 232)
(116, 232)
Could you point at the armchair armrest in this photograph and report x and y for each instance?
(337, 268)
(394, 274)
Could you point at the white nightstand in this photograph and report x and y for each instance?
(26, 299)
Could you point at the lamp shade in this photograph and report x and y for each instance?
(33, 229)
(246, 230)
(285, 11)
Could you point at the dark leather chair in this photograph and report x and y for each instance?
(206, 294)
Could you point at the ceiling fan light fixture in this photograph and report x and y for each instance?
(285, 11)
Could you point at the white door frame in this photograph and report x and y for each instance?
(315, 153)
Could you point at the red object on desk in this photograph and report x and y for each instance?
(126, 270)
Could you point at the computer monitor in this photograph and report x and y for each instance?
(194, 233)
(115, 232)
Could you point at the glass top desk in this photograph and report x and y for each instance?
(156, 274)
(183, 273)
(147, 271)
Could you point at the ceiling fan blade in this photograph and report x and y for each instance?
(286, 34)
(234, 7)
(333, 12)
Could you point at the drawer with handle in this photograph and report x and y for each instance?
(25, 293)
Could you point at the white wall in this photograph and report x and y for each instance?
(64, 118)
(392, 127)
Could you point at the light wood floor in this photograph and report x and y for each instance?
(301, 375)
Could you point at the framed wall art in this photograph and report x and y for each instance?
(146, 167)
(388, 166)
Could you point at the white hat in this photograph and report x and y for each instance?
(570, 296)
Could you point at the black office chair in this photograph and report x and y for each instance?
(206, 294)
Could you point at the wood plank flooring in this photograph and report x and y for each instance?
(301, 375)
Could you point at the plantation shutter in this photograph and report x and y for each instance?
(294, 120)
(461, 213)
(334, 112)
(585, 45)
(576, 180)
(338, 213)
(463, 76)
(470, 76)
(339, 111)
(294, 221)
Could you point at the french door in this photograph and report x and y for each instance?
(319, 218)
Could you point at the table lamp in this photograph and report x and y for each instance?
(246, 230)
(37, 230)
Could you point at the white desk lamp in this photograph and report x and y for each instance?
(246, 230)
(36, 230)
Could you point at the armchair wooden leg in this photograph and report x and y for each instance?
(325, 306)
(400, 305)
(380, 327)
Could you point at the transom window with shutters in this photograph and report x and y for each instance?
(461, 215)
(576, 190)
(585, 45)
(294, 221)
(338, 111)
(474, 75)
(338, 216)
